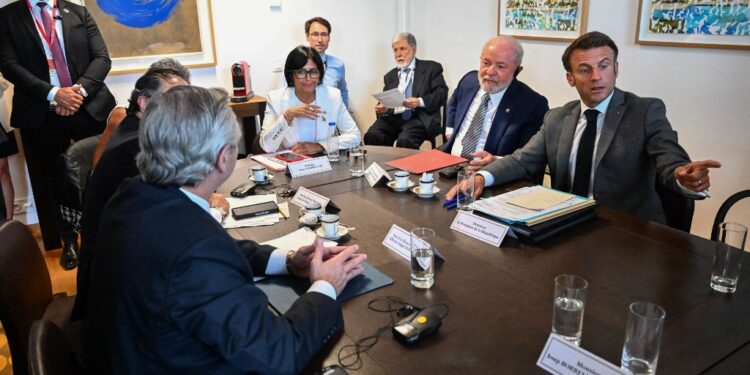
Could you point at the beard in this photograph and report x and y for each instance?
(492, 87)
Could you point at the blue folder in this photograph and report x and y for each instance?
(282, 291)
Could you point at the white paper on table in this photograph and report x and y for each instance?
(391, 98)
(230, 222)
(293, 241)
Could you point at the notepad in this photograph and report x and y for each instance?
(539, 199)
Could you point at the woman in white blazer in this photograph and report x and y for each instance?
(303, 115)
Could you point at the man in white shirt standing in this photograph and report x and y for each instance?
(610, 145)
(318, 33)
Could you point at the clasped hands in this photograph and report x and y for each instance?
(69, 100)
(336, 264)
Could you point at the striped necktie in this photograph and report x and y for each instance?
(469, 143)
(57, 56)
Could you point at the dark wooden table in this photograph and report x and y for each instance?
(501, 298)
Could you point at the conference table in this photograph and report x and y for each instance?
(500, 299)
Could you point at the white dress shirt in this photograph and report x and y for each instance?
(489, 116)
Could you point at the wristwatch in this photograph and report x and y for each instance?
(289, 257)
(52, 105)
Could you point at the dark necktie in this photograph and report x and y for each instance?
(585, 156)
(58, 58)
(469, 143)
(405, 115)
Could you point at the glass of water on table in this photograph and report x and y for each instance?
(568, 305)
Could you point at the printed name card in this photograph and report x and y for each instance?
(305, 196)
(375, 174)
(563, 358)
(399, 240)
(309, 166)
(480, 228)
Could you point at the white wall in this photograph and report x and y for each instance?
(705, 90)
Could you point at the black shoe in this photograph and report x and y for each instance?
(69, 256)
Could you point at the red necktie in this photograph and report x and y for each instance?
(57, 56)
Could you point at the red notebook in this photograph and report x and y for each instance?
(426, 161)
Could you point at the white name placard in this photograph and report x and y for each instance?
(376, 174)
(480, 228)
(309, 166)
(399, 240)
(303, 196)
(563, 358)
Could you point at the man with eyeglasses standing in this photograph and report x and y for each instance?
(424, 89)
(318, 33)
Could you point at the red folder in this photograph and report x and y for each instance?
(426, 161)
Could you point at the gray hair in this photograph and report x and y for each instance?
(517, 48)
(181, 134)
(408, 37)
(169, 66)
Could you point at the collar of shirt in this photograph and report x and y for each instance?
(411, 66)
(601, 107)
(202, 203)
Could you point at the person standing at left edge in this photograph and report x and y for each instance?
(53, 53)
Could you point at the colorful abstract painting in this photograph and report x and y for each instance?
(550, 15)
(708, 17)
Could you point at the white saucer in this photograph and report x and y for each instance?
(343, 231)
(313, 225)
(269, 178)
(392, 185)
(416, 190)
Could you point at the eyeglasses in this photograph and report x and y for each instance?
(301, 73)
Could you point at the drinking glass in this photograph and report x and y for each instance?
(640, 352)
(357, 161)
(465, 195)
(567, 307)
(332, 145)
(422, 257)
(728, 257)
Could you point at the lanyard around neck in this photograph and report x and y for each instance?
(39, 26)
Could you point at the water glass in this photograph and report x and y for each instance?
(422, 257)
(567, 307)
(640, 352)
(728, 257)
(465, 192)
(332, 148)
(357, 161)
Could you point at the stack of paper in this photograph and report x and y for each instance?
(293, 241)
(230, 222)
(532, 205)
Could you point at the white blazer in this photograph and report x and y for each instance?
(6, 103)
(277, 134)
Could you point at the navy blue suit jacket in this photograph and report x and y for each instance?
(519, 115)
(172, 292)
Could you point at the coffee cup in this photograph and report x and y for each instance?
(425, 187)
(313, 208)
(260, 173)
(330, 225)
(402, 180)
(309, 218)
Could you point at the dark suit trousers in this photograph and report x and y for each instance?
(387, 129)
(43, 148)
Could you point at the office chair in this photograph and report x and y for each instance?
(724, 209)
(26, 291)
(74, 170)
(678, 208)
(50, 352)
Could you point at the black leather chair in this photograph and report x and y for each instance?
(50, 352)
(724, 209)
(678, 208)
(73, 174)
(26, 291)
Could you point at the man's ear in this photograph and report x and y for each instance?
(617, 69)
(142, 103)
(571, 79)
(222, 162)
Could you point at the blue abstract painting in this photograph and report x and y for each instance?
(139, 13)
(704, 17)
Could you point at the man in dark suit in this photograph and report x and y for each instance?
(610, 145)
(491, 112)
(423, 86)
(171, 290)
(51, 50)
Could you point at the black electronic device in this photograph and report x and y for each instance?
(289, 157)
(451, 172)
(416, 327)
(243, 190)
(333, 370)
(255, 210)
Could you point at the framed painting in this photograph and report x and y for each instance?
(694, 23)
(554, 20)
(138, 33)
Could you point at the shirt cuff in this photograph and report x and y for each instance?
(52, 93)
(323, 287)
(691, 193)
(277, 262)
(421, 103)
(84, 93)
(488, 179)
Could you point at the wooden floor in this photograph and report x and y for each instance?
(62, 281)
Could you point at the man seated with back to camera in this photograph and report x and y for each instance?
(611, 145)
(303, 115)
(171, 290)
(491, 112)
(423, 86)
